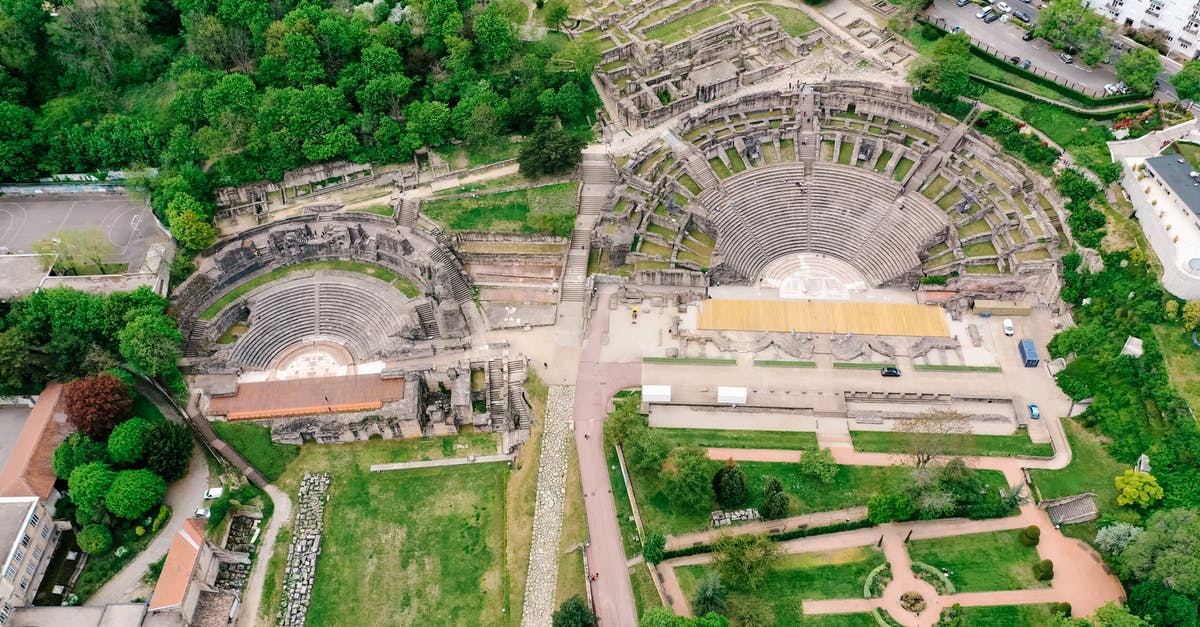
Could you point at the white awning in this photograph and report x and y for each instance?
(731, 395)
(656, 394)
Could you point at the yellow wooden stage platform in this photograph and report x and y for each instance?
(823, 317)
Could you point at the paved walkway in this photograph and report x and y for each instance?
(596, 383)
(434, 463)
(183, 497)
(541, 582)
(252, 596)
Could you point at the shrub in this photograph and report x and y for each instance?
(95, 405)
(139, 531)
(1030, 535)
(574, 612)
(885, 508)
(164, 513)
(135, 492)
(729, 484)
(1116, 537)
(1063, 609)
(1043, 570)
(653, 549)
(820, 465)
(94, 539)
(775, 502)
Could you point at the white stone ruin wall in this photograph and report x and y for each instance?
(302, 556)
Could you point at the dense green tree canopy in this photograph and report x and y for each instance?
(947, 69)
(135, 492)
(127, 443)
(1187, 81)
(1167, 552)
(1071, 25)
(1138, 69)
(77, 450)
(168, 449)
(89, 483)
(151, 344)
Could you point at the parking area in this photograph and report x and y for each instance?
(1006, 37)
(128, 224)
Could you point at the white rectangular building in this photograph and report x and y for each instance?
(1179, 18)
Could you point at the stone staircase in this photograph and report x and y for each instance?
(516, 395)
(194, 346)
(497, 395)
(458, 284)
(428, 318)
(408, 212)
(593, 195)
(807, 146)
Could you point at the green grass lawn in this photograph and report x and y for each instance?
(509, 212)
(794, 22)
(982, 562)
(624, 509)
(693, 361)
(814, 576)
(1008, 615)
(853, 486)
(379, 210)
(719, 167)
(253, 441)
(405, 547)
(775, 363)
(954, 368)
(1183, 360)
(794, 440)
(985, 445)
(980, 249)
(1092, 469)
(645, 595)
(689, 25)
(383, 274)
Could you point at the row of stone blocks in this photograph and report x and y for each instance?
(301, 569)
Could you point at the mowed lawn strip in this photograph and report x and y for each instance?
(1009, 615)
(723, 438)
(824, 575)
(984, 445)
(982, 562)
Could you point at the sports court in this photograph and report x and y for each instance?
(823, 317)
(128, 224)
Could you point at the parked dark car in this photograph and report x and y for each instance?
(1014, 60)
(1028, 36)
(1023, 16)
(890, 371)
(991, 17)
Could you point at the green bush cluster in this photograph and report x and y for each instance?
(1009, 133)
(1030, 536)
(1043, 570)
(949, 490)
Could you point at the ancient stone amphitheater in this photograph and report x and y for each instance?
(842, 175)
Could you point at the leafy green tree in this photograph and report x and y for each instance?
(886, 508)
(1138, 69)
(188, 226)
(710, 595)
(653, 549)
(495, 33)
(1162, 605)
(729, 484)
(689, 482)
(151, 344)
(385, 95)
(574, 612)
(556, 13)
(18, 148)
(135, 492)
(550, 149)
(625, 422)
(428, 122)
(168, 449)
(744, 561)
(1187, 81)
(820, 465)
(647, 452)
(19, 371)
(775, 502)
(1191, 315)
(1167, 551)
(89, 484)
(947, 70)
(95, 405)
(127, 444)
(75, 451)
(1115, 538)
(1138, 488)
(94, 539)
(1068, 24)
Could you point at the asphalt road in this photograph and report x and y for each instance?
(1007, 37)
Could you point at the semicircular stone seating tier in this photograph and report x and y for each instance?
(358, 312)
(848, 213)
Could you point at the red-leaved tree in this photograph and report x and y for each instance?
(95, 405)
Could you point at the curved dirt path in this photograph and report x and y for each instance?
(252, 595)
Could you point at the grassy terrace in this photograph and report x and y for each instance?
(720, 438)
(1008, 615)
(853, 486)
(981, 562)
(850, 365)
(1091, 470)
(953, 368)
(793, 21)
(253, 441)
(624, 509)
(508, 212)
(399, 282)
(824, 575)
(984, 445)
(645, 595)
(773, 363)
(1183, 361)
(404, 547)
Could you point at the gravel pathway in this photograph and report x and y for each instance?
(541, 583)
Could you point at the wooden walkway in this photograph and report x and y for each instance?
(823, 317)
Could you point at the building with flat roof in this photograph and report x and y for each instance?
(1181, 21)
(27, 537)
(1165, 192)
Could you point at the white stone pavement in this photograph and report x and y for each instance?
(542, 581)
